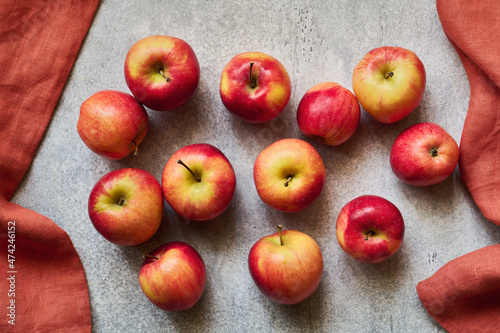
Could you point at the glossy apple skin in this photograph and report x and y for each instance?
(287, 273)
(412, 155)
(150, 55)
(365, 214)
(112, 124)
(389, 99)
(204, 200)
(284, 158)
(267, 99)
(328, 113)
(138, 217)
(176, 280)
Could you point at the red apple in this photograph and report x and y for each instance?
(289, 175)
(255, 87)
(126, 206)
(389, 83)
(112, 124)
(424, 154)
(173, 276)
(286, 266)
(198, 182)
(328, 113)
(162, 72)
(370, 229)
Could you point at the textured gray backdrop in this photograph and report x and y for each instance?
(316, 41)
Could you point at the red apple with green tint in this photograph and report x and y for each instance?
(112, 124)
(289, 175)
(255, 87)
(370, 229)
(389, 83)
(328, 113)
(162, 72)
(198, 182)
(173, 276)
(424, 154)
(126, 206)
(287, 266)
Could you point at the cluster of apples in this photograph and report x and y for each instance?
(198, 181)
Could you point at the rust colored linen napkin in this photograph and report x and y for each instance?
(464, 295)
(473, 28)
(42, 280)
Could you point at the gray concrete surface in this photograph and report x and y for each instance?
(316, 41)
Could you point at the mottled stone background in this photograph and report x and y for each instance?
(316, 41)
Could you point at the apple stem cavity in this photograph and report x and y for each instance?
(198, 178)
(281, 236)
(289, 179)
(164, 76)
(433, 152)
(388, 75)
(150, 256)
(253, 84)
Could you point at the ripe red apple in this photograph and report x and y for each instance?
(289, 175)
(198, 182)
(424, 154)
(370, 229)
(286, 266)
(255, 87)
(162, 72)
(328, 113)
(389, 83)
(126, 206)
(112, 124)
(173, 276)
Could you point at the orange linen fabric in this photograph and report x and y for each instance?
(464, 295)
(39, 41)
(473, 28)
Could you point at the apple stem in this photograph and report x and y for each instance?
(164, 76)
(281, 236)
(198, 178)
(388, 75)
(434, 152)
(368, 235)
(253, 84)
(121, 201)
(136, 151)
(288, 181)
(150, 256)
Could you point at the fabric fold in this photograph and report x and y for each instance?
(46, 286)
(473, 26)
(464, 295)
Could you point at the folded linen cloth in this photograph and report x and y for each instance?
(45, 289)
(464, 295)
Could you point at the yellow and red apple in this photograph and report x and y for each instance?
(328, 113)
(370, 228)
(389, 83)
(162, 72)
(255, 87)
(286, 266)
(112, 124)
(173, 276)
(289, 175)
(424, 154)
(126, 206)
(198, 182)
